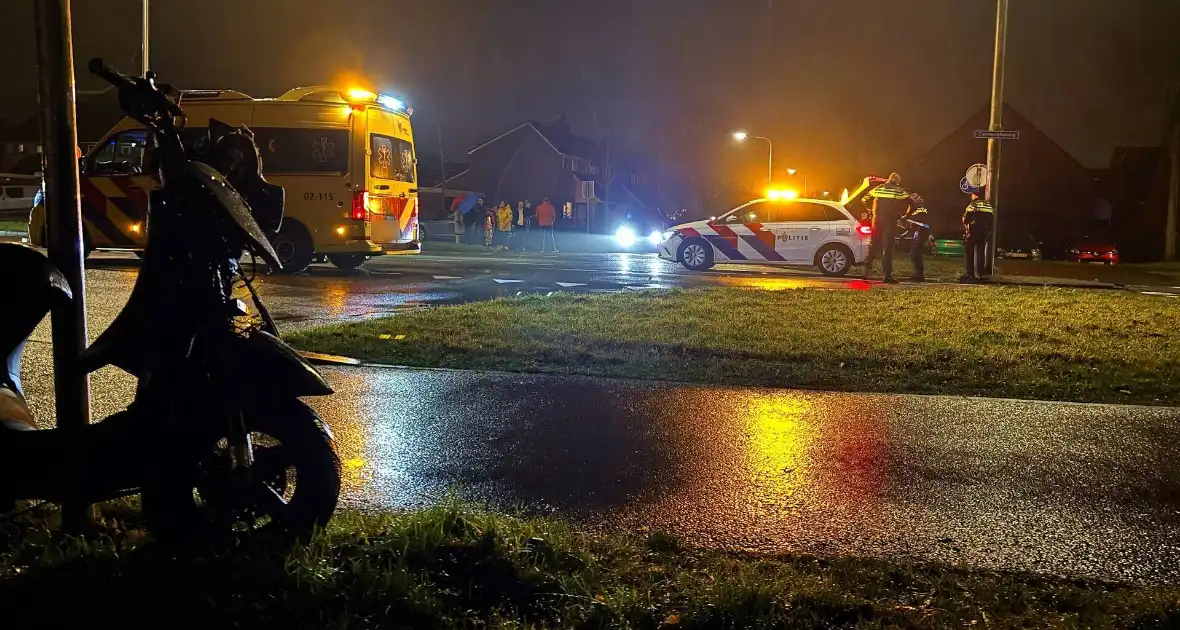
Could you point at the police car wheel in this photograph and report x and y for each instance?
(834, 260)
(696, 254)
(294, 246)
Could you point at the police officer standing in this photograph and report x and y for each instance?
(890, 203)
(978, 219)
(917, 221)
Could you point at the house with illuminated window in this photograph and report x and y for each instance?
(534, 160)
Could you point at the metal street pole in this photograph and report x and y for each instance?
(1173, 189)
(770, 162)
(59, 142)
(146, 43)
(992, 193)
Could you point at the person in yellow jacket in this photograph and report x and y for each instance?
(503, 224)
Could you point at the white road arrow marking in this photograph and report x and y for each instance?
(503, 281)
(566, 285)
(448, 277)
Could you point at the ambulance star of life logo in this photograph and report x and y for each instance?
(323, 150)
(384, 157)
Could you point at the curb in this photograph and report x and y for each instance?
(1059, 285)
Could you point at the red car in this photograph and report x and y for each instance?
(1094, 251)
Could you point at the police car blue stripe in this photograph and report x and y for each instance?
(722, 245)
(767, 251)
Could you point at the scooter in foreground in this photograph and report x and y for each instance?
(216, 440)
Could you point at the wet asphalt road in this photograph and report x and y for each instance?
(1079, 490)
(388, 285)
(1082, 490)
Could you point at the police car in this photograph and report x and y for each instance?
(811, 232)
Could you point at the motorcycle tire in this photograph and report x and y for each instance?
(198, 498)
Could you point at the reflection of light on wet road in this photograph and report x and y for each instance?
(778, 458)
(770, 283)
(625, 263)
(351, 437)
(371, 441)
(336, 294)
(655, 266)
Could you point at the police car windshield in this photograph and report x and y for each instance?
(738, 214)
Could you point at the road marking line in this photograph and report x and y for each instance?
(566, 285)
(1160, 293)
(448, 277)
(502, 281)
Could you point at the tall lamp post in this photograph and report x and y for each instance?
(741, 136)
(792, 171)
(63, 222)
(146, 41)
(995, 124)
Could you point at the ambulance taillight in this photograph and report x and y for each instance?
(360, 205)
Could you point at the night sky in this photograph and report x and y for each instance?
(842, 86)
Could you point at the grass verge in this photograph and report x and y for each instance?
(1056, 344)
(454, 567)
(14, 226)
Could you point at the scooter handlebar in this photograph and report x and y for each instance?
(102, 69)
(143, 90)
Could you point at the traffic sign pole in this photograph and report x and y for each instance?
(996, 124)
(59, 145)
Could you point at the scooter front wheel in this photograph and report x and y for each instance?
(291, 488)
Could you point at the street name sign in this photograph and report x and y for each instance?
(985, 134)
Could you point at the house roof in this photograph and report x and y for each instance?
(430, 173)
(1013, 120)
(558, 136)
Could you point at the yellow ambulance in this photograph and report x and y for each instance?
(344, 156)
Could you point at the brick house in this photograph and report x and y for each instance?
(1043, 190)
(1136, 184)
(535, 160)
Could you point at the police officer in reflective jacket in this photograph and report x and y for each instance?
(916, 221)
(978, 219)
(890, 203)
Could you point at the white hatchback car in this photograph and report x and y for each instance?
(811, 232)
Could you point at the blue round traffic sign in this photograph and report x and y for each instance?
(964, 186)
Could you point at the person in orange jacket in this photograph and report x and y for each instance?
(546, 217)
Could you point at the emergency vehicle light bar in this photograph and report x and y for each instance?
(215, 94)
(356, 97)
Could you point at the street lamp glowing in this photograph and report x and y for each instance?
(792, 171)
(741, 136)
